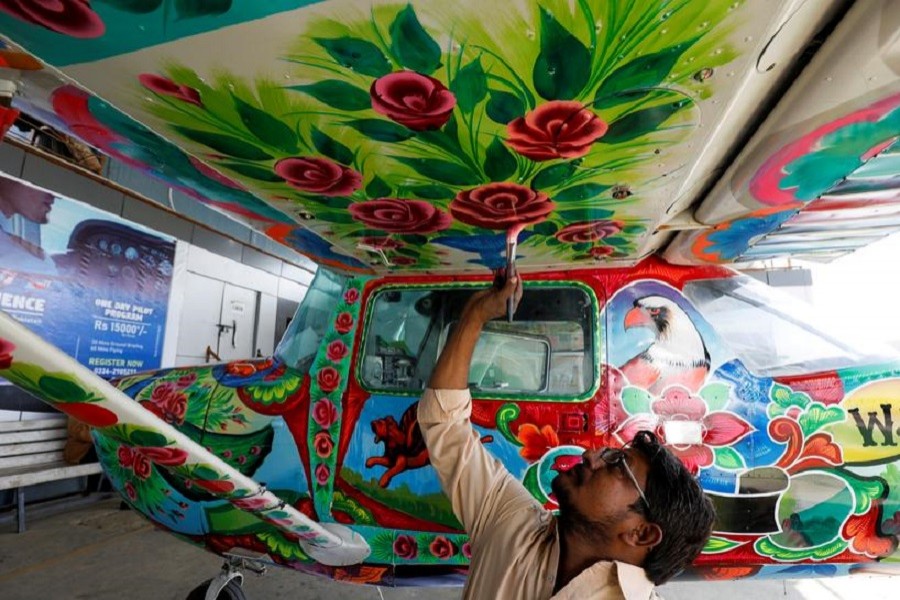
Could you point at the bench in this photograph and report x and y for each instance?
(31, 452)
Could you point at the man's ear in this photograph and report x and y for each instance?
(644, 534)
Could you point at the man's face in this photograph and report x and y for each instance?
(595, 492)
(32, 204)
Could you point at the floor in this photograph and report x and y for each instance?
(98, 552)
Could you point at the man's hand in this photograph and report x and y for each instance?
(491, 303)
(452, 369)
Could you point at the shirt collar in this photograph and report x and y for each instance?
(633, 581)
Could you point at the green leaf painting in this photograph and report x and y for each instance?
(429, 102)
(564, 65)
(337, 94)
(414, 48)
(359, 56)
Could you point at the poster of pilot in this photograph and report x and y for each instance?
(93, 284)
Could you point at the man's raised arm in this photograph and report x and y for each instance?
(478, 485)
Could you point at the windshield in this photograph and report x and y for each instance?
(773, 333)
(548, 350)
(301, 341)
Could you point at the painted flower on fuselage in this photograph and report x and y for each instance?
(718, 428)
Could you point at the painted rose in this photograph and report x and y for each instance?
(405, 546)
(126, 456)
(142, 466)
(557, 129)
(169, 457)
(6, 356)
(336, 351)
(411, 99)
(74, 18)
(318, 176)
(442, 548)
(588, 231)
(324, 413)
(322, 474)
(600, 252)
(501, 206)
(166, 87)
(467, 550)
(403, 261)
(328, 379)
(130, 491)
(323, 444)
(343, 323)
(168, 404)
(351, 296)
(186, 380)
(400, 216)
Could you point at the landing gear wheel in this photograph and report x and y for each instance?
(231, 591)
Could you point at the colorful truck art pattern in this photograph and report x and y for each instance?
(801, 470)
(820, 170)
(399, 142)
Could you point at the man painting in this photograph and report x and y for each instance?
(629, 518)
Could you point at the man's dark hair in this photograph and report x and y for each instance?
(678, 505)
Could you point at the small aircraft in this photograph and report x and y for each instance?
(619, 153)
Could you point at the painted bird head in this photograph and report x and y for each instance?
(654, 312)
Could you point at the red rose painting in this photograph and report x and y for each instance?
(501, 206)
(557, 129)
(588, 231)
(416, 101)
(74, 18)
(328, 379)
(318, 176)
(400, 216)
(6, 353)
(166, 87)
(336, 351)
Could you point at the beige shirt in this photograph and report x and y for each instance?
(515, 543)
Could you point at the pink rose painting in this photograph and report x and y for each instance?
(324, 413)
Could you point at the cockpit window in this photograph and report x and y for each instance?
(304, 335)
(773, 333)
(548, 349)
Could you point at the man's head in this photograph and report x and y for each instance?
(31, 203)
(638, 504)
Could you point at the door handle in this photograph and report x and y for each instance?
(233, 332)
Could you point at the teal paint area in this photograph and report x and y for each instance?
(129, 25)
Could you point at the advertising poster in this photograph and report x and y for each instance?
(93, 284)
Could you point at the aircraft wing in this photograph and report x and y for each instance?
(376, 137)
(46, 372)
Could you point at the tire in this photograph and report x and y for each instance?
(232, 591)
